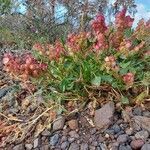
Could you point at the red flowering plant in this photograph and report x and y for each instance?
(24, 66)
(116, 56)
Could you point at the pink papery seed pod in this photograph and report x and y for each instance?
(98, 25)
(110, 61)
(128, 78)
(6, 60)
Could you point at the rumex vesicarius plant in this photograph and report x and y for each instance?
(116, 56)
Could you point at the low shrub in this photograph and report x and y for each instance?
(114, 57)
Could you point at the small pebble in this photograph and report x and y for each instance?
(107, 136)
(142, 135)
(103, 146)
(84, 146)
(113, 146)
(64, 145)
(74, 146)
(100, 138)
(54, 139)
(71, 139)
(78, 141)
(91, 147)
(116, 128)
(122, 138)
(44, 147)
(129, 131)
(119, 133)
(73, 124)
(137, 144)
(146, 147)
(19, 147)
(123, 147)
(28, 146)
(146, 113)
(74, 134)
(63, 139)
(46, 133)
(59, 123)
(94, 143)
(93, 131)
(137, 111)
(110, 131)
(36, 142)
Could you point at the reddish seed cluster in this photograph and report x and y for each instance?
(122, 21)
(77, 42)
(116, 38)
(23, 66)
(128, 79)
(142, 30)
(40, 48)
(110, 63)
(98, 25)
(49, 50)
(125, 47)
(100, 43)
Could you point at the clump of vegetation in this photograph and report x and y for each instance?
(114, 58)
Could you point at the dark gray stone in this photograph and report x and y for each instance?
(110, 131)
(142, 122)
(84, 146)
(94, 143)
(71, 139)
(137, 111)
(59, 123)
(64, 145)
(54, 139)
(74, 146)
(63, 139)
(74, 134)
(98, 148)
(103, 116)
(119, 133)
(142, 135)
(146, 113)
(116, 128)
(46, 133)
(122, 138)
(103, 146)
(122, 147)
(45, 147)
(93, 131)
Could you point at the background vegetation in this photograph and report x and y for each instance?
(22, 22)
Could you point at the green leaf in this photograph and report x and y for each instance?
(125, 65)
(115, 85)
(123, 71)
(96, 81)
(124, 100)
(107, 78)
